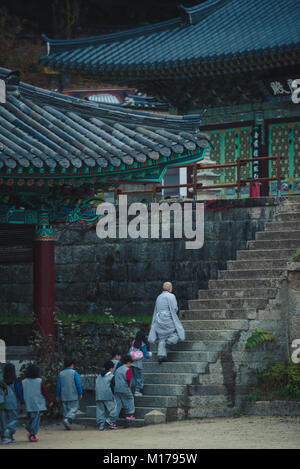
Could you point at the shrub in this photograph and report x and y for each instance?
(277, 381)
(261, 336)
(85, 343)
(296, 256)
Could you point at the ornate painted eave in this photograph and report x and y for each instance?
(48, 139)
(216, 37)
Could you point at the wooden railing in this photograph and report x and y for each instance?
(240, 162)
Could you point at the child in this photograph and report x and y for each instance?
(35, 397)
(137, 366)
(105, 400)
(123, 394)
(3, 392)
(14, 399)
(116, 359)
(69, 390)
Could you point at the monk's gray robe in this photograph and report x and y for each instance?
(165, 326)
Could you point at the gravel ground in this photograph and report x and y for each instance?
(232, 433)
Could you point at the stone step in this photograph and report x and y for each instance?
(270, 235)
(261, 254)
(190, 345)
(206, 401)
(206, 390)
(139, 411)
(174, 367)
(274, 244)
(164, 389)
(91, 422)
(186, 356)
(249, 274)
(238, 313)
(156, 401)
(214, 389)
(290, 207)
(282, 226)
(170, 378)
(207, 334)
(291, 198)
(234, 324)
(256, 264)
(237, 284)
(288, 216)
(241, 293)
(228, 303)
(212, 411)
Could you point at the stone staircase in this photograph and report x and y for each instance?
(200, 379)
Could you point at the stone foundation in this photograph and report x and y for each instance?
(126, 275)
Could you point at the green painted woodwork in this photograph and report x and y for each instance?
(43, 230)
(284, 138)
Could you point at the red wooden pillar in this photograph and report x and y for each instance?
(44, 276)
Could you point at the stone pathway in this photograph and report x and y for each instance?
(242, 432)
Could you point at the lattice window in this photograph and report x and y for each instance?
(280, 144)
(245, 150)
(215, 150)
(230, 173)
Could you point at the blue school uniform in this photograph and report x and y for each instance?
(123, 393)
(106, 406)
(69, 389)
(35, 403)
(137, 367)
(14, 398)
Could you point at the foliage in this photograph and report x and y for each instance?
(296, 256)
(277, 381)
(89, 345)
(67, 319)
(261, 336)
(17, 53)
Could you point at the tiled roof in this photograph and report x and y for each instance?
(217, 34)
(119, 97)
(42, 130)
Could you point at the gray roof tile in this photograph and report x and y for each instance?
(43, 129)
(210, 31)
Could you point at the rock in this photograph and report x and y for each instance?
(154, 417)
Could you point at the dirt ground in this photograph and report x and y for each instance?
(243, 432)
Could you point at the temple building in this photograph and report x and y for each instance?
(234, 61)
(58, 152)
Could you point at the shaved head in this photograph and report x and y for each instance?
(167, 286)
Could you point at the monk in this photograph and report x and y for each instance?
(165, 327)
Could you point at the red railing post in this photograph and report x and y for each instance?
(278, 175)
(238, 189)
(154, 191)
(195, 181)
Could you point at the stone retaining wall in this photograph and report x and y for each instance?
(126, 275)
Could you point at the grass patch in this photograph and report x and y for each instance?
(66, 319)
(99, 318)
(8, 319)
(296, 256)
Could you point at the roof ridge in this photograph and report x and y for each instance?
(187, 121)
(59, 45)
(193, 15)
(188, 15)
